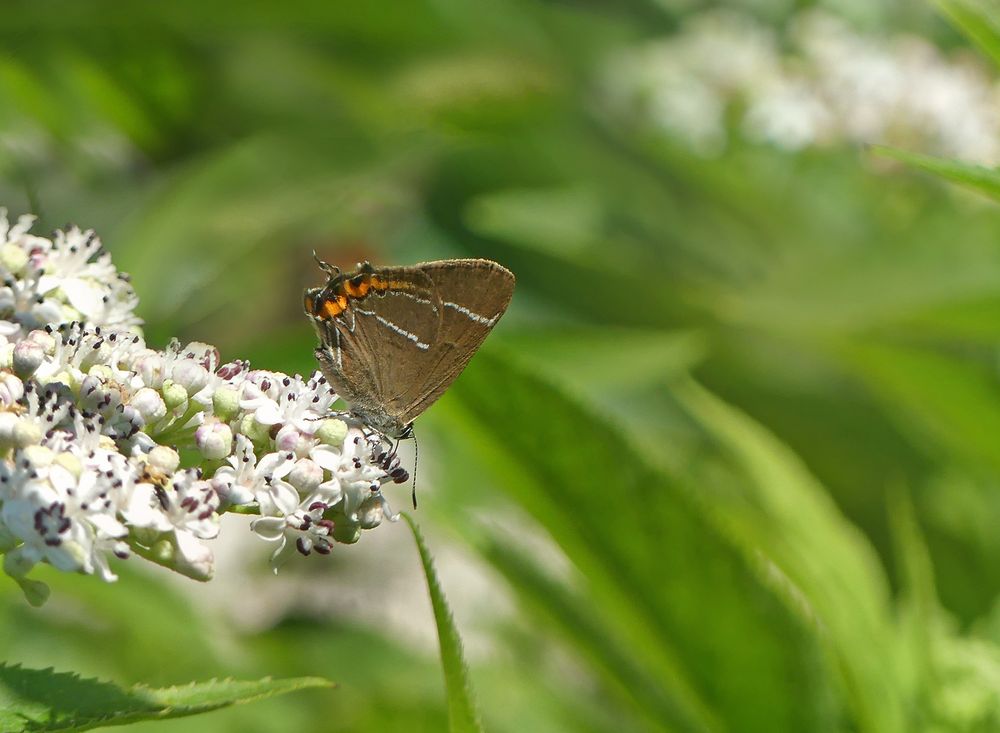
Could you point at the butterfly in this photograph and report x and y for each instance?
(393, 339)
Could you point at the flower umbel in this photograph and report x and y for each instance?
(93, 424)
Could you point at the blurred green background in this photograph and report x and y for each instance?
(730, 462)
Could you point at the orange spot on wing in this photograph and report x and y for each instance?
(333, 307)
(358, 290)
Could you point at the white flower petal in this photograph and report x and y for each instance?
(271, 529)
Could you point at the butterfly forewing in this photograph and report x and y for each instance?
(473, 295)
(347, 366)
(382, 337)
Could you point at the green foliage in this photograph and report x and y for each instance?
(633, 533)
(977, 177)
(462, 715)
(978, 19)
(44, 700)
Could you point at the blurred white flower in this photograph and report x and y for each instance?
(820, 84)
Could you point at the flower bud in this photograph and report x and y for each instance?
(98, 395)
(306, 476)
(8, 421)
(102, 372)
(257, 433)
(371, 512)
(174, 395)
(164, 459)
(290, 440)
(332, 432)
(189, 374)
(214, 440)
(346, 533)
(27, 357)
(44, 339)
(88, 387)
(226, 403)
(11, 389)
(26, 433)
(230, 492)
(149, 366)
(150, 406)
(13, 258)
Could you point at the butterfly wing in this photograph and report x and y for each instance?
(391, 354)
(346, 365)
(372, 351)
(473, 295)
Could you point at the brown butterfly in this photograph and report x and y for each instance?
(393, 339)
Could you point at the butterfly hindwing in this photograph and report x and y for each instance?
(473, 294)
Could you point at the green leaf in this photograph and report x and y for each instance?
(668, 596)
(789, 517)
(561, 220)
(978, 19)
(570, 355)
(949, 401)
(42, 701)
(980, 178)
(585, 627)
(462, 714)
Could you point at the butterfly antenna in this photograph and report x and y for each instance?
(331, 270)
(413, 495)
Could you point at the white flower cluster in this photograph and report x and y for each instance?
(67, 278)
(108, 447)
(819, 84)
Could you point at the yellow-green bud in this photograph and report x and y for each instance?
(226, 403)
(346, 534)
(254, 430)
(174, 395)
(13, 258)
(332, 432)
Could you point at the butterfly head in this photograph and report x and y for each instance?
(333, 298)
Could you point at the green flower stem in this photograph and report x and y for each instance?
(249, 509)
(173, 432)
